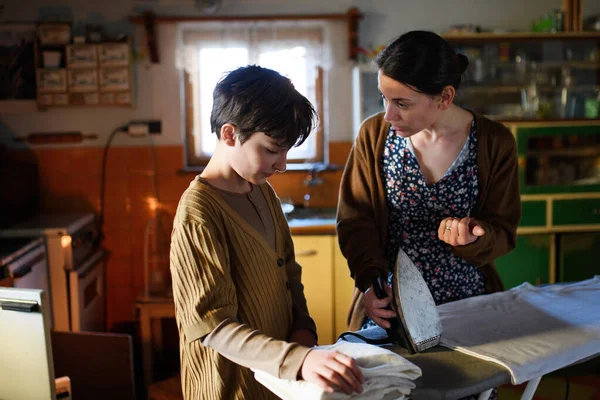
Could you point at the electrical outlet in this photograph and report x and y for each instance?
(155, 127)
(144, 127)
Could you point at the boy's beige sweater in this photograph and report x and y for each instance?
(229, 283)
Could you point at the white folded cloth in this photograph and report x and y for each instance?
(530, 330)
(387, 376)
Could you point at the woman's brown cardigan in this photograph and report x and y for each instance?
(362, 217)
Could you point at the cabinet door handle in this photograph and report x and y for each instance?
(305, 253)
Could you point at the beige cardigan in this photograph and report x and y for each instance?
(223, 270)
(362, 219)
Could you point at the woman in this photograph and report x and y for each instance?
(430, 177)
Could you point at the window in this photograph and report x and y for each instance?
(209, 50)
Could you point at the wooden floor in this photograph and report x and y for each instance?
(169, 389)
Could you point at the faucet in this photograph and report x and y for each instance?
(310, 182)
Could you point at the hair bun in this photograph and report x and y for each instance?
(463, 63)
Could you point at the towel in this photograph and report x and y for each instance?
(387, 376)
(529, 330)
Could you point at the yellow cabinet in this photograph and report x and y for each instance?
(327, 283)
(315, 255)
(343, 289)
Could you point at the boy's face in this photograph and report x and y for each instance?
(258, 158)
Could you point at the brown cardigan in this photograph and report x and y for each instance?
(362, 217)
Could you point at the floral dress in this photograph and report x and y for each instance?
(416, 210)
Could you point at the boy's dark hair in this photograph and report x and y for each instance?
(424, 60)
(257, 99)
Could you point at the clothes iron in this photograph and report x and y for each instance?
(418, 326)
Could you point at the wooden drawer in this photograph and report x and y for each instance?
(576, 212)
(533, 213)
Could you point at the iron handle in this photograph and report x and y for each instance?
(378, 288)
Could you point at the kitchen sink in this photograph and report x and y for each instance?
(312, 213)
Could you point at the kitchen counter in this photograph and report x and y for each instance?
(312, 221)
(312, 226)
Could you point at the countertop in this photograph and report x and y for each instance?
(312, 226)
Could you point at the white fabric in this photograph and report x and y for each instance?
(387, 376)
(529, 330)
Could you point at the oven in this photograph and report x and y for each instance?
(23, 264)
(76, 268)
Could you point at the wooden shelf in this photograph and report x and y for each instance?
(492, 89)
(515, 36)
(554, 64)
(590, 151)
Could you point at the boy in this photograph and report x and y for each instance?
(238, 297)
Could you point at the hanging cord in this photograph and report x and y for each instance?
(122, 128)
(153, 222)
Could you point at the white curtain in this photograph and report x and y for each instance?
(207, 50)
(257, 36)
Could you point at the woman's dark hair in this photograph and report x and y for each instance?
(423, 60)
(257, 99)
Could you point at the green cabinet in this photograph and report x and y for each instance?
(576, 212)
(579, 256)
(527, 263)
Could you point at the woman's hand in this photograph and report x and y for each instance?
(375, 308)
(459, 231)
(303, 337)
(332, 371)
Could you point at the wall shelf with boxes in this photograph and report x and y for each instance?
(82, 74)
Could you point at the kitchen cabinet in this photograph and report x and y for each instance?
(327, 283)
(529, 262)
(579, 255)
(559, 179)
(530, 76)
(513, 77)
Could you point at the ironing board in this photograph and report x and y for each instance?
(449, 374)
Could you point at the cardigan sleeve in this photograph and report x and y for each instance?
(250, 348)
(500, 206)
(203, 290)
(357, 228)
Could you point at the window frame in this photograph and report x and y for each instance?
(193, 160)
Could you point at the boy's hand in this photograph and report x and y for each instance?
(303, 337)
(332, 371)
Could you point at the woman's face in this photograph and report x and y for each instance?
(407, 110)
